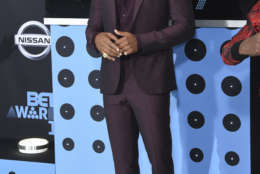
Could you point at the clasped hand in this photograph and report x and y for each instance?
(113, 47)
(251, 46)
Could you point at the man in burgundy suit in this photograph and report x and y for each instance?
(135, 40)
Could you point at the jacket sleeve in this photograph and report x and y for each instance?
(181, 14)
(230, 51)
(95, 26)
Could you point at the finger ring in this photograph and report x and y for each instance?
(105, 55)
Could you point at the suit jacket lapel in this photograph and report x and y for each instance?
(110, 14)
(138, 4)
(113, 12)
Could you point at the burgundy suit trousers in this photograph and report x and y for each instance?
(131, 111)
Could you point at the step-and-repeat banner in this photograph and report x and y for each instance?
(26, 94)
(25, 64)
(25, 73)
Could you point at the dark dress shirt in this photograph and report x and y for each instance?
(124, 10)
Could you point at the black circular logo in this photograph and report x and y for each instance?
(195, 50)
(232, 158)
(98, 146)
(231, 122)
(68, 144)
(11, 172)
(94, 79)
(196, 155)
(66, 78)
(195, 84)
(65, 46)
(97, 113)
(196, 119)
(67, 111)
(231, 86)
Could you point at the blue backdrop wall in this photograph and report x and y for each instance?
(210, 111)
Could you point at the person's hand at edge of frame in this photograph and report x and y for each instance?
(250, 46)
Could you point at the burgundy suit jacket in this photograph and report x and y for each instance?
(153, 65)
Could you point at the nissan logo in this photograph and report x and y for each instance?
(33, 40)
